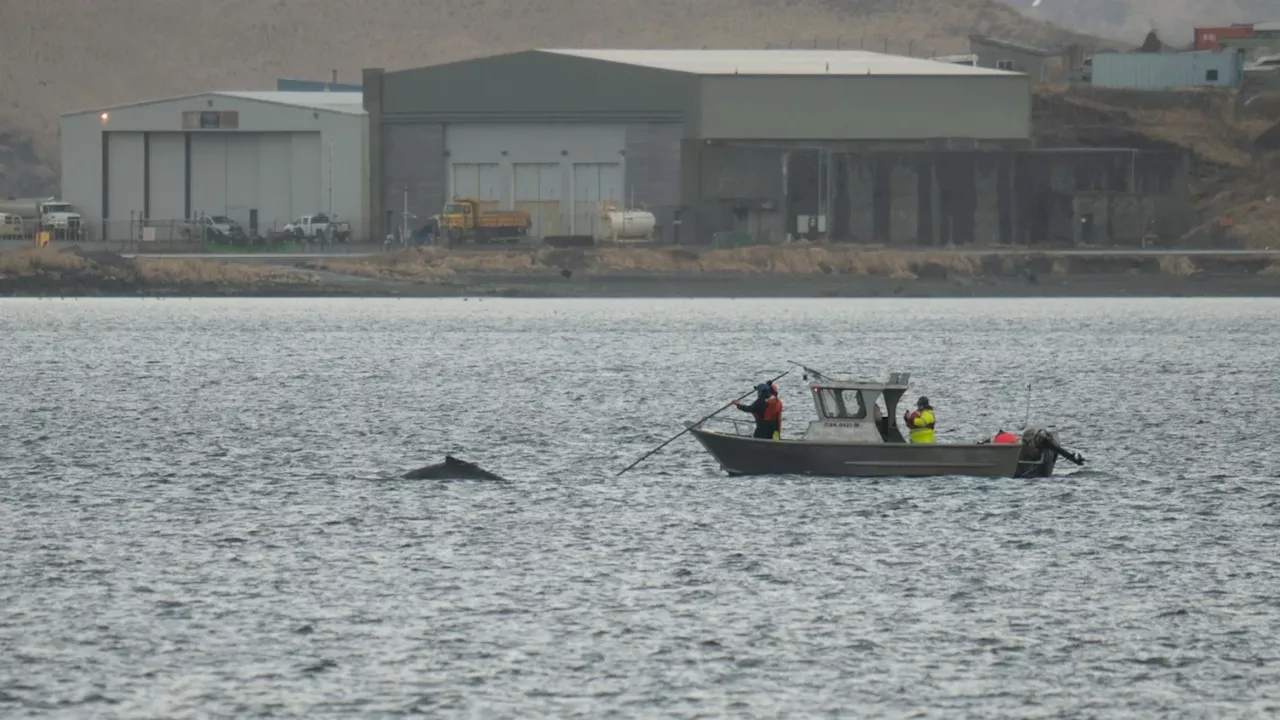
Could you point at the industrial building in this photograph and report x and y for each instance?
(258, 158)
(561, 133)
(1168, 71)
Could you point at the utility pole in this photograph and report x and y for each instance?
(331, 178)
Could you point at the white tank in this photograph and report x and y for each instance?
(629, 225)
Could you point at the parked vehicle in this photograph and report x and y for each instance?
(215, 227)
(463, 220)
(319, 227)
(10, 227)
(38, 214)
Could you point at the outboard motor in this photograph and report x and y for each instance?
(1040, 453)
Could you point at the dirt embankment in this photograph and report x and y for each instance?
(436, 266)
(1236, 200)
(797, 270)
(67, 272)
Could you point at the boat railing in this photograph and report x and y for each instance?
(731, 426)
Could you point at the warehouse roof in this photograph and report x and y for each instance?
(781, 62)
(343, 102)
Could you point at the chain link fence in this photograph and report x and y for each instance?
(205, 234)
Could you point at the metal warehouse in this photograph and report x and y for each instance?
(259, 158)
(560, 133)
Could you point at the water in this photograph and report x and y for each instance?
(200, 515)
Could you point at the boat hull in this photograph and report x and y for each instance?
(740, 455)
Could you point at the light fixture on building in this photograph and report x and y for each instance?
(104, 117)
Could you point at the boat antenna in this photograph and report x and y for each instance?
(1026, 420)
(808, 371)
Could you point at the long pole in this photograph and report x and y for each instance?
(682, 432)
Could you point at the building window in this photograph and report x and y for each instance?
(1211, 75)
(1004, 64)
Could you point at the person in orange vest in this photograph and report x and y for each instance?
(920, 422)
(1006, 438)
(766, 409)
(773, 410)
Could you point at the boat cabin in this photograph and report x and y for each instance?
(854, 411)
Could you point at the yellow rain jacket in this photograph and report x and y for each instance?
(920, 424)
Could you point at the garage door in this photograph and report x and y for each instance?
(208, 174)
(167, 156)
(275, 189)
(480, 181)
(538, 193)
(305, 154)
(595, 185)
(125, 198)
(268, 177)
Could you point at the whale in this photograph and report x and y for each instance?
(452, 469)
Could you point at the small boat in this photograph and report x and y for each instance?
(849, 440)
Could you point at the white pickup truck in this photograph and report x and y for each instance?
(319, 227)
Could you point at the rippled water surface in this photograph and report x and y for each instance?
(200, 517)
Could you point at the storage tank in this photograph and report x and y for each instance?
(25, 208)
(628, 225)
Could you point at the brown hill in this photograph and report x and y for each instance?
(74, 54)
(1129, 19)
(1237, 203)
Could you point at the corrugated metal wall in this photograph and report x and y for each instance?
(413, 162)
(1167, 71)
(125, 162)
(865, 108)
(537, 167)
(277, 174)
(168, 158)
(653, 169)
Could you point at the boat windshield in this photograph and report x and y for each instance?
(842, 404)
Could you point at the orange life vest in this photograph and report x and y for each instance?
(1006, 438)
(773, 409)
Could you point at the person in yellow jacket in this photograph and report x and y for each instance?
(920, 422)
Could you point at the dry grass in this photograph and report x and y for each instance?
(36, 260)
(433, 264)
(1257, 225)
(1177, 265)
(212, 272)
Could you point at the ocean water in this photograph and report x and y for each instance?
(200, 514)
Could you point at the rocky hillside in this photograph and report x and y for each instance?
(1174, 20)
(1237, 203)
(75, 54)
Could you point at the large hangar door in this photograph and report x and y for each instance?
(125, 197)
(168, 158)
(208, 174)
(538, 193)
(242, 177)
(595, 185)
(275, 168)
(480, 181)
(306, 174)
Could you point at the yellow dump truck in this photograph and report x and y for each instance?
(463, 220)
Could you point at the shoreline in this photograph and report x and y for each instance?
(676, 286)
(771, 272)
